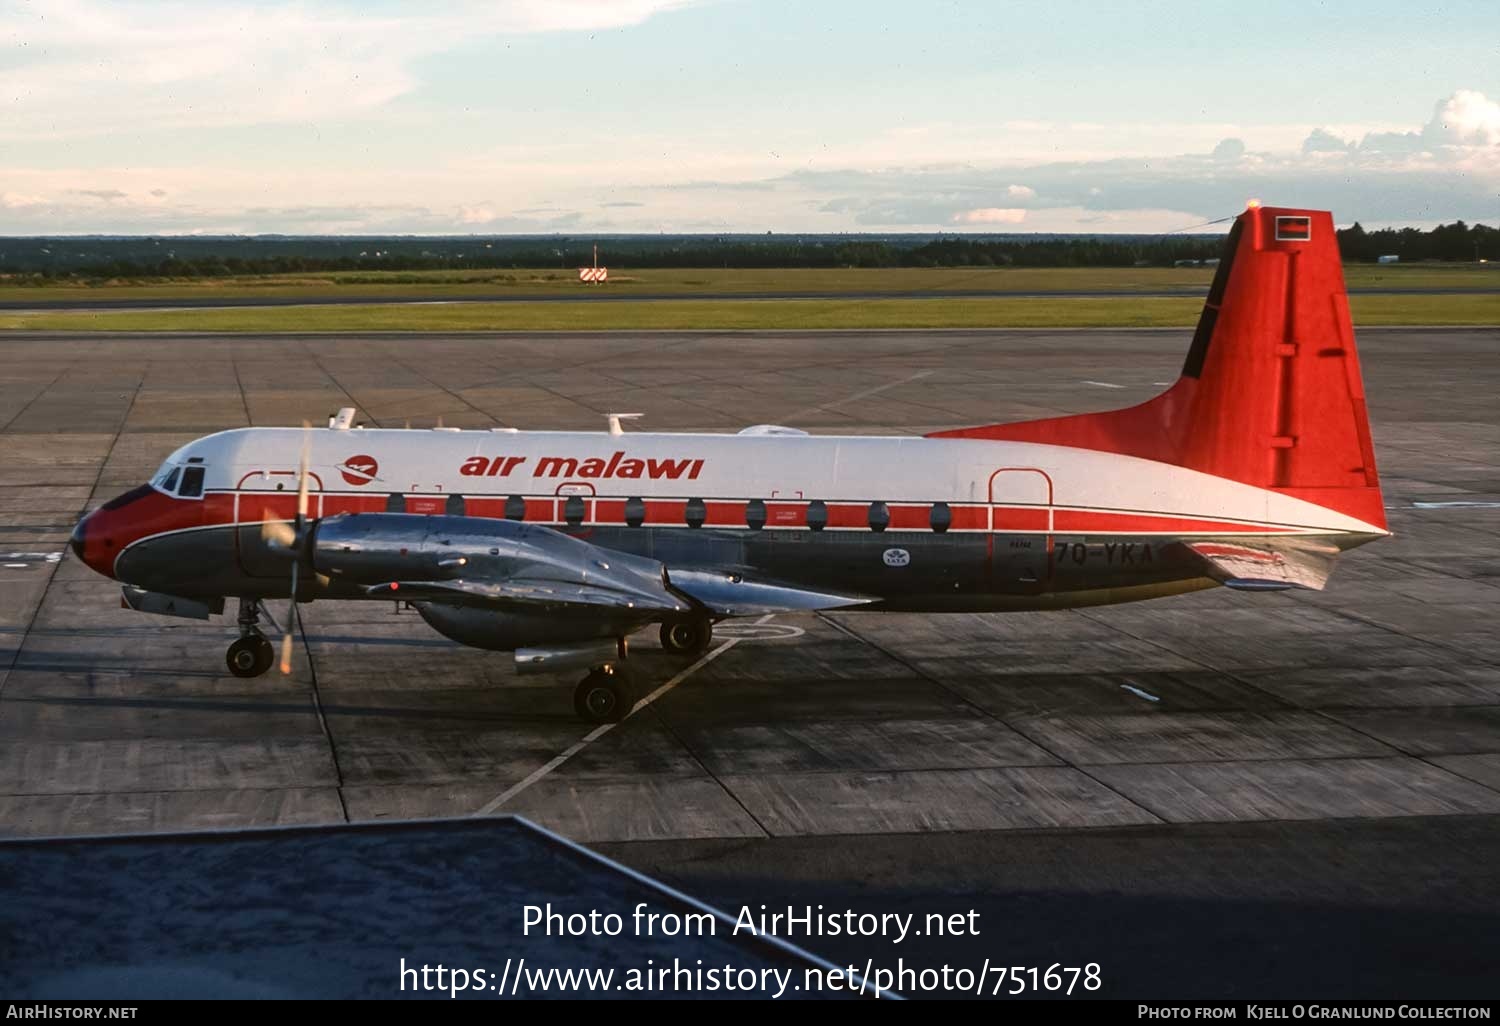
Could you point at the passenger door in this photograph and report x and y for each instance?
(269, 494)
(1020, 540)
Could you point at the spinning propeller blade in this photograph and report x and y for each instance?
(279, 534)
(295, 544)
(291, 619)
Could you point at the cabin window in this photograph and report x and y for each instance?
(395, 503)
(755, 514)
(696, 513)
(635, 511)
(192, 483)
(817, 515)
(455, 506)
(515, 508)
(880, 516)
(573, 511)
(941, 518)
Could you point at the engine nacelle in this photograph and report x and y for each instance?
(376, 548)
(508, 631)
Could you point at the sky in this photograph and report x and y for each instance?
(608, 116)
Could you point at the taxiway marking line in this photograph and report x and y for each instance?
(556, 761)
(1103, 384)
(1452, 505)
(857, 396)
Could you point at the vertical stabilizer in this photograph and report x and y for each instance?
(1270, 394)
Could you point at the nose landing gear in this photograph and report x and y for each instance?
(251, 655)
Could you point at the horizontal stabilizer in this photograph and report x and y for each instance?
(731, 593)
(535, 595)
(1273, 565)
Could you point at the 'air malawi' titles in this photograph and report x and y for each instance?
(617, 466)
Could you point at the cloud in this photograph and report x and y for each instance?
(1442, 165)
(990, 215)
(19, 201)
(1467, 118)
(1463, 123)
(475, 215)
(83, 67)
(1229, 150)
(1321, 140)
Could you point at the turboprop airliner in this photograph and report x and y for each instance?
(1254, 471)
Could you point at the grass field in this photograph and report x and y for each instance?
(730, 314)
(555, 281)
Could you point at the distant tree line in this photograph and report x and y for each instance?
(1456, 241)
(103, 257)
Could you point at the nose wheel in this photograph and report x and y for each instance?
(606, 695)
(687, 637)
(250, 656)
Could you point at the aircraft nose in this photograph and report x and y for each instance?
(80, 534)
(92, 541)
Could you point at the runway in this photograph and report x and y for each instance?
(615, 295)
(1069, 772)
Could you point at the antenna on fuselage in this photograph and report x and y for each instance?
(614, 421)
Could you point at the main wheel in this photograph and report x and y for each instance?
(250, 656)
(687, 637)
(604, 696)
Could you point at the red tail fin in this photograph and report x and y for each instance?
(1270, 394)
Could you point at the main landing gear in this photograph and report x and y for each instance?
(609, 692)
(606, 695)
(687, 637)
(252, 655)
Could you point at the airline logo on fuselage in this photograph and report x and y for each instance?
(359, 470)
(618, 465)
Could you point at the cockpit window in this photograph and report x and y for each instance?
(192, 483)
(169, 483)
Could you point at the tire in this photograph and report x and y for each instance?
(687, 637)
(250, 656)
(604, 696)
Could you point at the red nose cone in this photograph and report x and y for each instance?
(76, 540)
(91, 547)
(98, 538)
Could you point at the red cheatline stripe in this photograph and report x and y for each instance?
(220, 507)
(1020, 519)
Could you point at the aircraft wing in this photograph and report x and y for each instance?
(502, 564)
(566, 596)
(1272, 564)
(732, 593)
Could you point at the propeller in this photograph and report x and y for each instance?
(291, 539)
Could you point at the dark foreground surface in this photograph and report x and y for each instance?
(1194, 793)
(1355, 909)
(353, 912)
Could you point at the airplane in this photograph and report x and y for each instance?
(1255, 470)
